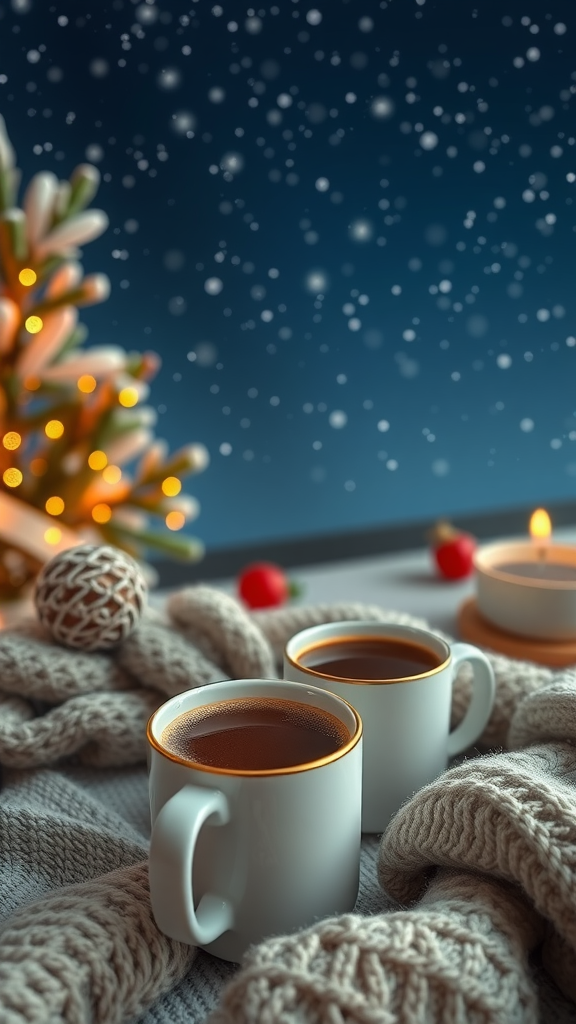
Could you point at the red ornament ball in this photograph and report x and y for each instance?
(263, 585)
(453, 552)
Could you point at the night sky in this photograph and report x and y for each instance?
(349, 231)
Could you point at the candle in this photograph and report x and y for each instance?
(529, 588)
(543, 566)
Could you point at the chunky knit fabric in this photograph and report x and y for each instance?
(482, 862)
(459, 956)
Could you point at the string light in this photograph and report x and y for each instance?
(97, 460)
(112, 474)
(27, 277)
(34, 324)
(101, 513)
(86, 383)
(12, 477)
(54, 429)
(54, 506)
(171, 486)
(11, 440)
(175, 520)
(38, 467)
(128, 397)
(53, 535)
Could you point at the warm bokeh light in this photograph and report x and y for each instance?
(171, 486)
(175, 520)
(12, 477)
(34, 324)
(32, 383)
(53, 535)
(97, 460)
(54, 429)
(540, 525)
(38, 467)
(101, 513)
(112, 474)
(128, 397)
(86, 383)
(54, 506)
(11, 440)
(27, 277)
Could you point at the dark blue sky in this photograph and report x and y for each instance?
(348, 229)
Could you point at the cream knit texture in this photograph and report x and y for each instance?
(482, 863)
(460, 955)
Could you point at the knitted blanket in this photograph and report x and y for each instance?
(475, 919)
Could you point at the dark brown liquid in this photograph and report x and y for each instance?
(383, 658)
(255, 734)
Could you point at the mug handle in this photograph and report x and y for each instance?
(172, 847)
(483, 690)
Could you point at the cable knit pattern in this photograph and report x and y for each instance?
(87, 952)
(546, 715)
(512, 816)
(32, 663)
(461, 956)
(89, 955)
(242, 647)
(489, 848)
(163, 660)
(103, 731)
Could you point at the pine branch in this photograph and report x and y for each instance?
(65, 413)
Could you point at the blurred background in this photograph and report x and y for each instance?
(348, 229)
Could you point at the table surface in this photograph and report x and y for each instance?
(405, 581)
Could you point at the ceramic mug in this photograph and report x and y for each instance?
(407, 738)
(237, 855)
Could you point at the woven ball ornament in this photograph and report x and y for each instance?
(90, 597)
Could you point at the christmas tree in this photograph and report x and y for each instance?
(78, 459)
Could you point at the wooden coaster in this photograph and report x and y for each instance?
(477, 630)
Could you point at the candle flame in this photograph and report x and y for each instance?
(540, 525)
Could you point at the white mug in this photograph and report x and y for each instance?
(237, 856)
(407, 738)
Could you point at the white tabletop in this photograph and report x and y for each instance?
(406, 581)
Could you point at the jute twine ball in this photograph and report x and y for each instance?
(90, 597)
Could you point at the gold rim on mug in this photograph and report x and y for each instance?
(329, 641)
(291, 770)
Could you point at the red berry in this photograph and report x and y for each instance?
(263, 585)
(455, 557)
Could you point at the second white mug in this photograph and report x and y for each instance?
(406, 719)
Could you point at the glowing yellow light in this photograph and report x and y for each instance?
(112, 474)
(53, 535)
(175, 520)
(54, 429)
(38, 467)
(101, 513)
(27, 277)
(171, 486)
(97, 460)
(540, 525)
(128, 397)
(86, 383)
(33, 324)
(32, 383)
(54, 506)
(11, 440)
(12, 477)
